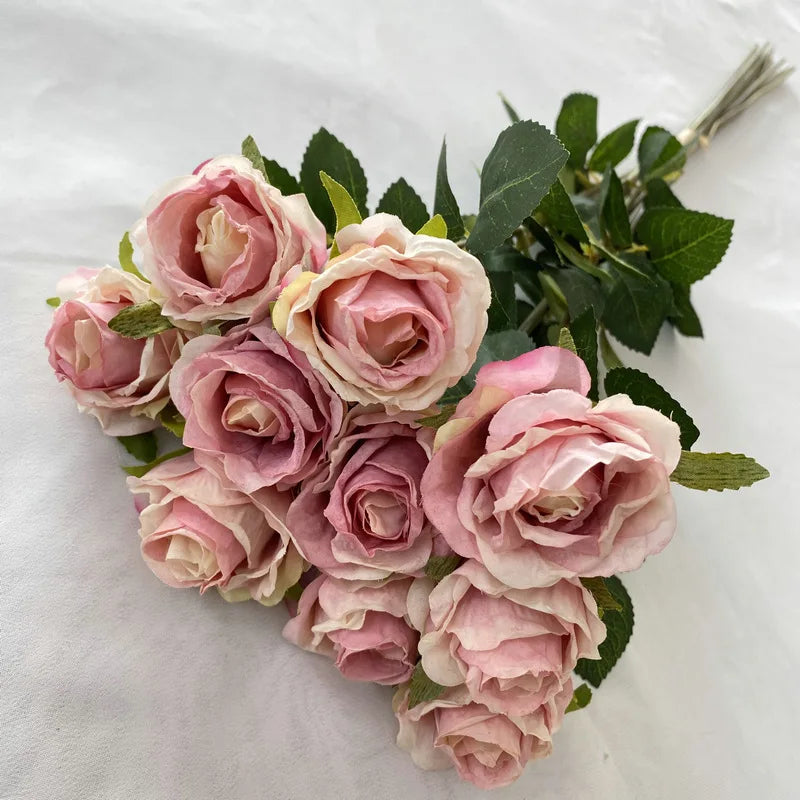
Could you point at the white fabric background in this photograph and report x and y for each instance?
(113, 685)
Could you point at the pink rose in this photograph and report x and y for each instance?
(513, 648)
(486, 748)
(122, 382)
(255, 409)
(395, 319)
(198, 530)
(361, 516)
(362, 625)
(537, 484)
(217, 244)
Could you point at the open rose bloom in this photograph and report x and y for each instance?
(449, 558)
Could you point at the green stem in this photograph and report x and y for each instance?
(535, 317)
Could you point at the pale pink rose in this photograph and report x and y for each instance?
(513, 648)
(486, 748)
(395, 319)
(537, 484)
(200, 531)
(255, 409)
(360, 516)
(122, 382)
(362, 625)
(217, 244)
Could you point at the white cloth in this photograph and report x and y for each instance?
(113, 685)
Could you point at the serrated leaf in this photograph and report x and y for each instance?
(503, 308)
(660, 153)
(636, 307)
(512, 114)
(560, 213)
(576, 126)
(578, 259)
(140, 321)
(686, 319)
(517, 173)
(581, 698)
(440, 566)
(251, 152)
(125, 255)
(614, 146)
(142, 446)
(645, 391)
(138, 472)
(619, 627)
(280, 178)
(435, 226)
(172, 420)
(444, 201)
(508, 259)
(717, 471)
(584, 337)
(421, 689)
(402, 201)
(325, 153)
(566, 342)
(659, 195)
(601, 593)
(580, 290)
(437, 420)
(501, 346)
(684, 245)
(53, 302)
(615, 213)
(607, 352)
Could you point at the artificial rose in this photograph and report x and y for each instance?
(513, 648)
(395, 319)
(486, 748)
(537, 484)
(255, 409)
(362, 625)
(198, 530)
(217, 244)
(122, 382)
(360, 516)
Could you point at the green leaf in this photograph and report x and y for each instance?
(53, 302)
(440, 566)
(556, 301)
(615, 213)
(613, 147)
(344, 206)
(579, 260)
(501, 346)
(325, 153)
(717, 471)
(660, 153)
(580, 290)
(435, 226)
(512, 114)
(644, 391)
(516, 175)
(281, 178)
(607, 352)
(125, 255)
(686, 319)
(584, 336)
(444, 201)
(437, 420)
(421, 688)
(140, 321)
(138, 472)
(637, 306)
(172, 420)
(294, 592)
(561, 214)
(576, 126)
(251, 152)
(619, 627)
(684, 245)
(581, 698)
(507, 258)
(503, 308)
(566, 342)
(142, 446)
(402, 201)
(659, 195)
(601, 593)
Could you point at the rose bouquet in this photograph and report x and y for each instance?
(396, 422)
